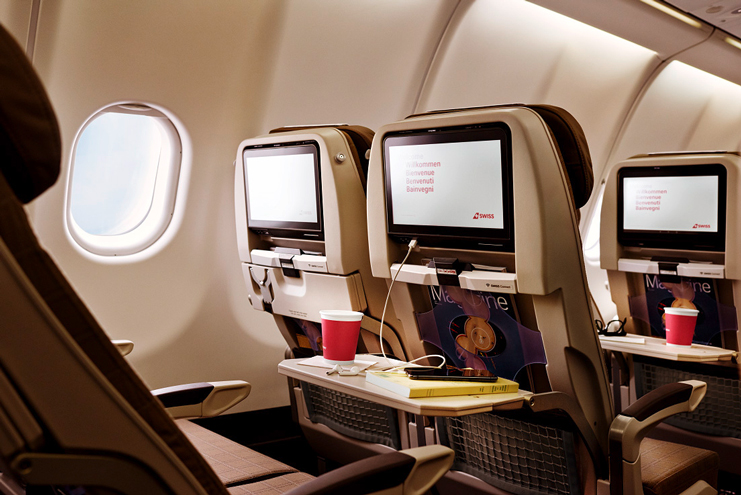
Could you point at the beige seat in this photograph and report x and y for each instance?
(566, 439)
(72, 412)
(294, 271)
(696, 270)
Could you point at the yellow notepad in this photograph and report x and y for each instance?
(403, 385)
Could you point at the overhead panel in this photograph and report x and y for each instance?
(636, 21)
(702, 33)
(723, 14)
(720, 55)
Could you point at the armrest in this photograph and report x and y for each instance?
(124, 346)
(202, 400)
(631, 426)
(410, 472)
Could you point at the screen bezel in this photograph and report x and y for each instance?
(274, 228)
(678, 240)
(451, 236)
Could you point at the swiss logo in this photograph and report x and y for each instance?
(479, 216)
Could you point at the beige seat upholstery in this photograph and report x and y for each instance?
(232, 462)
(568, 426)
(668, 468)
(272, 486)
(338, 427)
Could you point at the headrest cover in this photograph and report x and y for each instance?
(30, 144)
(572, 143)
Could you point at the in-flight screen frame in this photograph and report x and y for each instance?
(312, 230)
(465, 237)
(684, 239)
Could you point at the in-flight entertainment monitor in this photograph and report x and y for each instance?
(451, 186)
(675, 207)
(283, 190)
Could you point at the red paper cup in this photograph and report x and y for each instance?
(680, 325)
(340, 331)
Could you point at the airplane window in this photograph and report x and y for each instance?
(115, 168)
(123, 179)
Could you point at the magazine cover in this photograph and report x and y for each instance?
(308, 333)
(479, 330)
(692, 293)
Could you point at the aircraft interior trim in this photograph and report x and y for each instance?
(541, 190)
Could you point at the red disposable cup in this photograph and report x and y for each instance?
(680, 325)
(340, 331)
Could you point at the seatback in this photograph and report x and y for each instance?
(65, 386)
(303, 248)
(693, 237)
(294, 269)
(532, 252)
(669, 236)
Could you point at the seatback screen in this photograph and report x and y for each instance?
(450, 185)
(282, 186)
(680, 207)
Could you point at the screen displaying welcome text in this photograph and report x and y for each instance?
(282, 188)
(457, 184)
(671, 204)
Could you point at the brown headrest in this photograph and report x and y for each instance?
(361, 139)
(30, 145)
(572, 144)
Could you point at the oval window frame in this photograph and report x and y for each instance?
(164, 196)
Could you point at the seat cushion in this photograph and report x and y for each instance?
(232, 462)
(669, 468)
(273, 486)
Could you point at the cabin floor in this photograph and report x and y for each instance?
(729, 484)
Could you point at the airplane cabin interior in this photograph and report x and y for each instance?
(433, 247)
